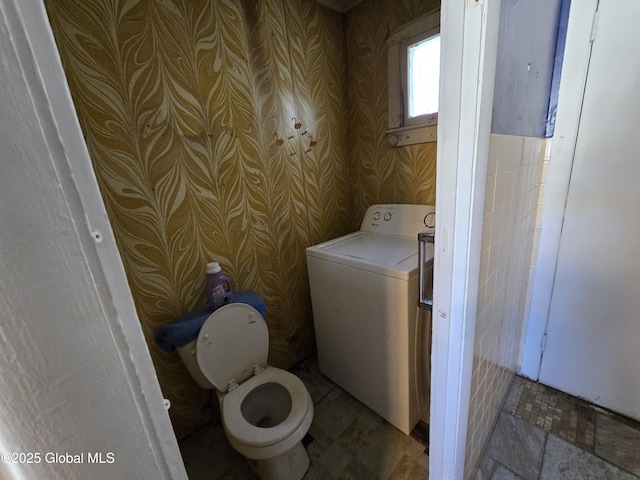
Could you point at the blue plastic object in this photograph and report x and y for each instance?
(186, 328)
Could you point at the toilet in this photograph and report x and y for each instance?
(265, 411)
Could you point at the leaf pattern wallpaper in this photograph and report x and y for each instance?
(240, 131)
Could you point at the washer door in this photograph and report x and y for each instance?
(231, 341)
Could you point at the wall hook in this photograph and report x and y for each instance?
(279, 141)
(297, 124)
(312, 143)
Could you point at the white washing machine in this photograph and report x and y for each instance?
(372, 338)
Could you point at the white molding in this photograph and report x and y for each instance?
(469, 49)
(401, 136)
(574, 75)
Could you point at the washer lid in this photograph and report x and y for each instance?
(387, 255)
(380, 248)
(231, 342)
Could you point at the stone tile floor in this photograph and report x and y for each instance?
(544, 434)
(540, 434)
(346, 441)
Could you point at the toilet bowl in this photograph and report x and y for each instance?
(265, 411)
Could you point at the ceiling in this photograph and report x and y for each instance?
(341, 6)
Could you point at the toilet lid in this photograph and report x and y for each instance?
(231, 341)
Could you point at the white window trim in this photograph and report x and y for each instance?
(399, 133)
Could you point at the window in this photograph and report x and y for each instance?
(423, 75)
(414, 76)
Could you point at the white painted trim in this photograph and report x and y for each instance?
(40, 61)
(399, 137)
(574, 75)
(469, 49)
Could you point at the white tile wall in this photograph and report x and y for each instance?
(509, 242)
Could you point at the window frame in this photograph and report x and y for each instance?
(401, 129)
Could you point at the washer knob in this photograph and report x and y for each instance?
(376, 216)
(387, 216)
(430, 220)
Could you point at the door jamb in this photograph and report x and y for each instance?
(469, 49)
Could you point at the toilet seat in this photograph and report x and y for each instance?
(250, 435)
(232, 341)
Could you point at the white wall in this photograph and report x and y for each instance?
(76, 375)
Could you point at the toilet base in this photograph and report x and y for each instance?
(290, 465)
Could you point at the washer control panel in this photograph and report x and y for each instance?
(399, 219)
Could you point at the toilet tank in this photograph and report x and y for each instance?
(189, 358)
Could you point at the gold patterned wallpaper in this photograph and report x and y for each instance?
(241, 131)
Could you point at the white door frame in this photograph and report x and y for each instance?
(577, 54)
(469, 48)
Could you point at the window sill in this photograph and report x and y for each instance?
(399, 137)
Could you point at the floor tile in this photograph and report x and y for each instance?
(485, 469)
(317, 384)
(356, 470)
(517, 445)
(617, 442)
(384, 450)
(317, 472)
(420, 470)
(564, 461)
(403, 468)
(567, 417)
(513, 397)
(208, 455)
(584, 442)
(332, 416)
(502, 473)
